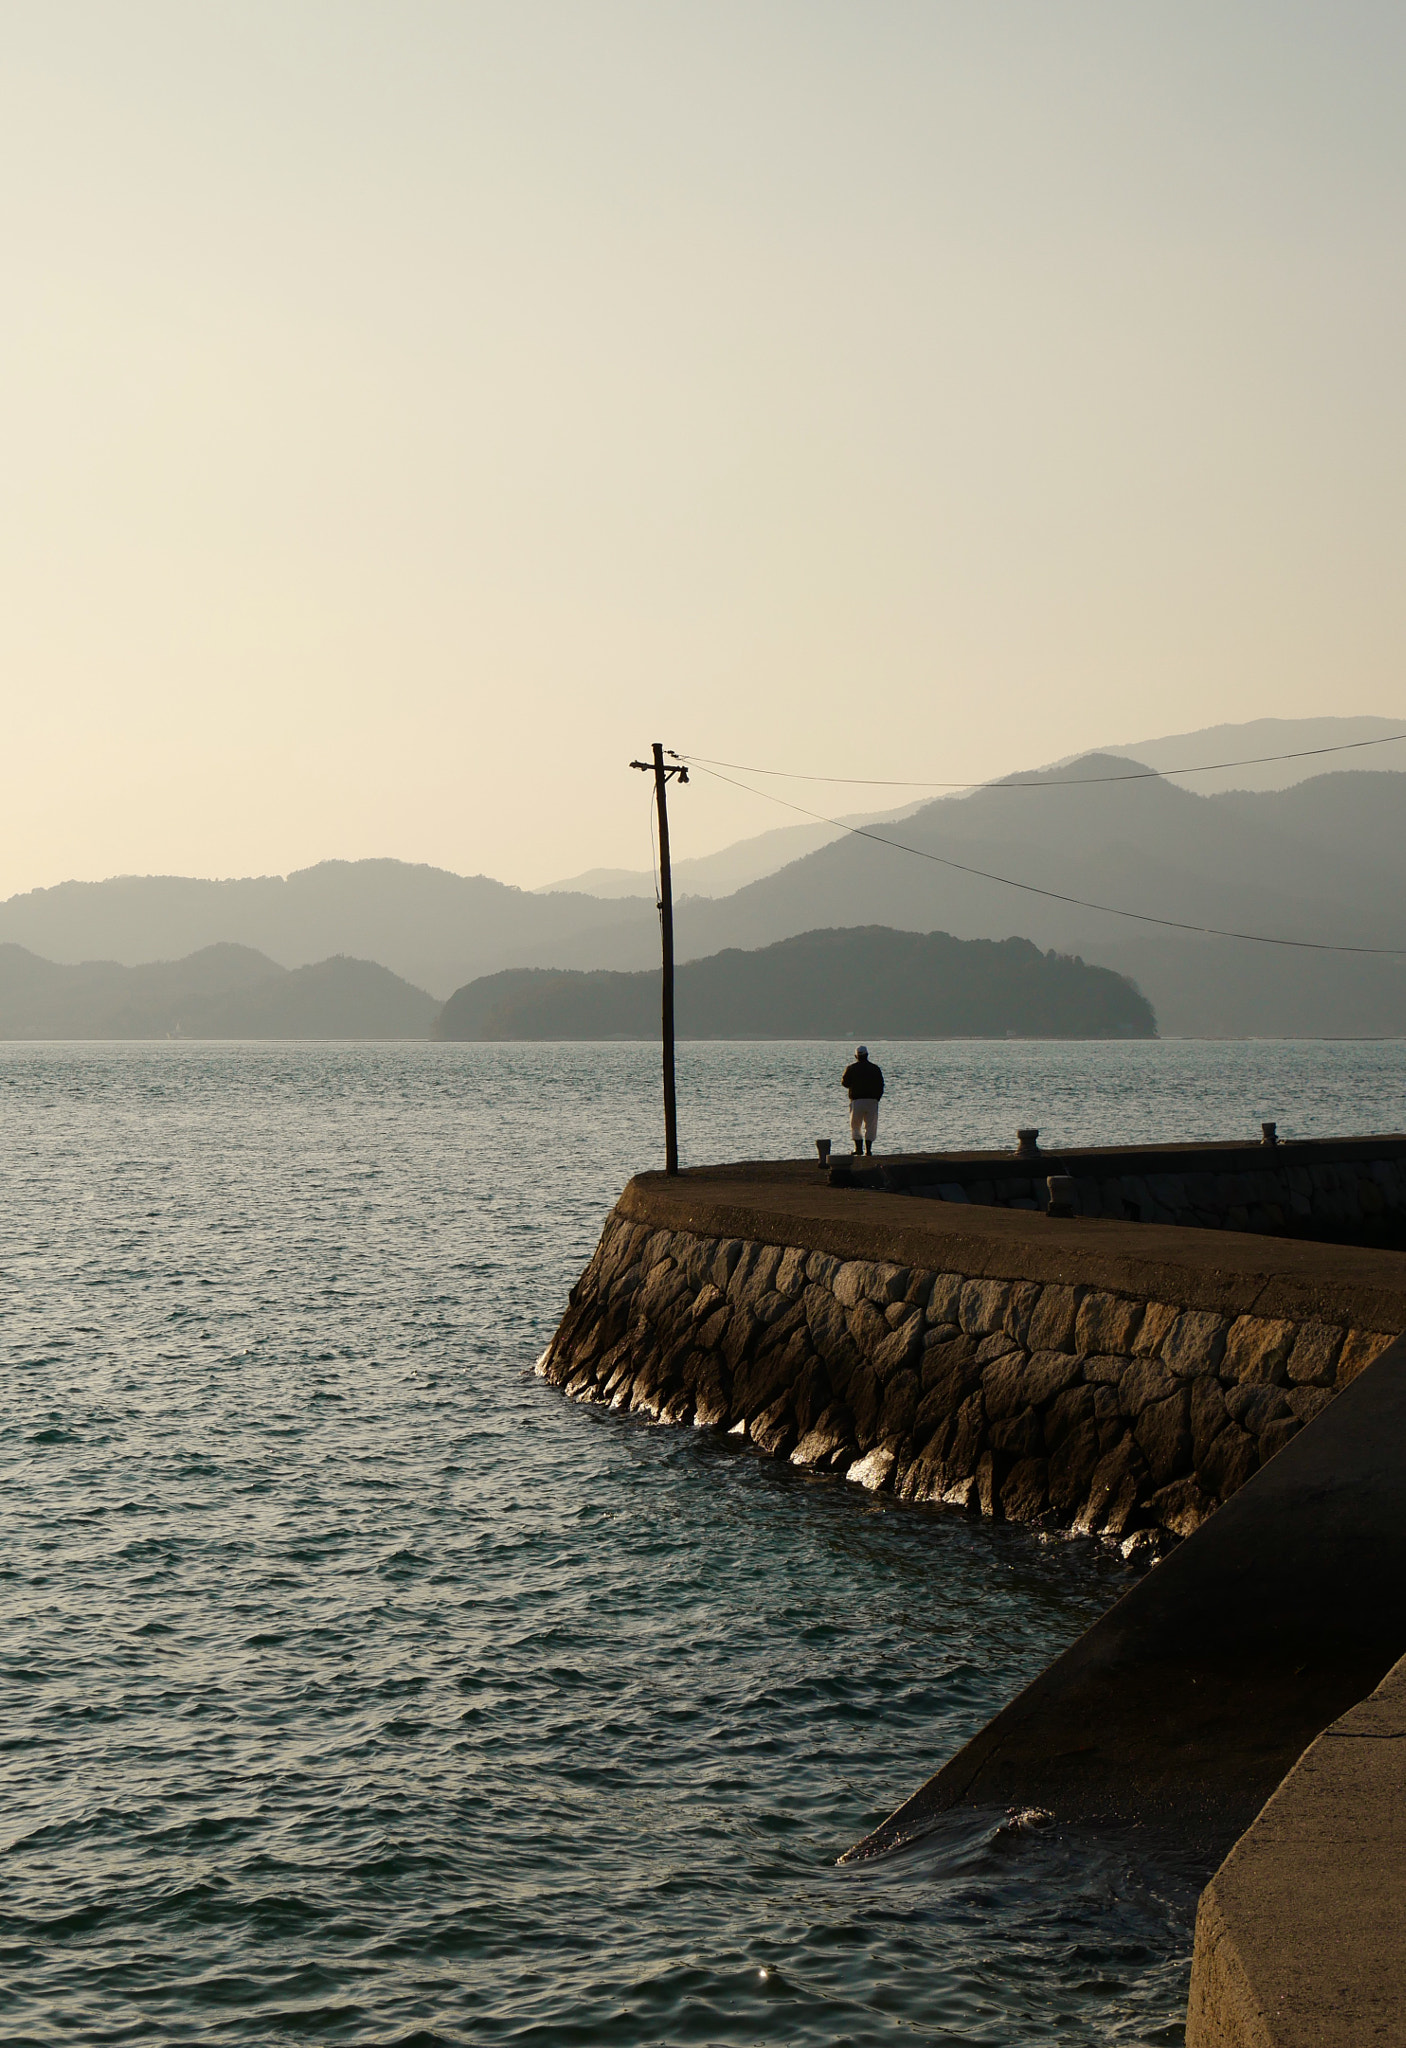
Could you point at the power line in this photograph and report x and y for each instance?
(1176, 924)
(1052, 782)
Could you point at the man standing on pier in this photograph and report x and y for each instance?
(865, 1083)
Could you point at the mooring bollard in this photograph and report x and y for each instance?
(1027, 1144)
(1269, 1134)
(1059, 1190)
(822, 1146)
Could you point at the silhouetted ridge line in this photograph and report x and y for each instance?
(1175, 924)
(221, 991)
(869, 981)
(1385, 739)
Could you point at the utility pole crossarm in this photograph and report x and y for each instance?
(661, 772)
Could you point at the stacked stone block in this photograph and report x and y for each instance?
(1057, 1405)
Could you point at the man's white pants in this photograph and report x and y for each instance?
(864, 1121)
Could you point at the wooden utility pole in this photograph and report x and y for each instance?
(666, 939)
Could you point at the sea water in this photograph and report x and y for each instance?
(357, 1687)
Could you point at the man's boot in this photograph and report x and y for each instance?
(869, 1149)
(859, 1148)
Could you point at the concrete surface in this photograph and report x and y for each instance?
(1258, 1671)
(1186, 1704)
(1301, 1936)
(1233, 1273)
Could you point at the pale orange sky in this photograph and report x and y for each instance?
(411, 410)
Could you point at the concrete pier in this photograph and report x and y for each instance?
(1333, 1190)
(1300, 1936)
(1120, 1379)
(1231, 1402)
(1186, 1704)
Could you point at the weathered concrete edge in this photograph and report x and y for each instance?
(1228, 1273)
(1300, 1937)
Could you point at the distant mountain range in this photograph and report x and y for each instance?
(820, 985)
(1324, 861)
(719, 874)
(750, 860)
(1321, 860)
(1284, 739)
(825, 984)
(219, 992)
(432, 928)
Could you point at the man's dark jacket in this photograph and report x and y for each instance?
(864, 1081)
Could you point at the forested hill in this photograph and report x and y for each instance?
(219, 992)
(862, 982)
(1321, 865)
(430, 928)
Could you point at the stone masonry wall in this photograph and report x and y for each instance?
(1050, 1404)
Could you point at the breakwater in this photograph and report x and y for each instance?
(1114, 1378)
(1184, 1705)
(1122, 1379)
(1254, 1976)
(1338, 1190)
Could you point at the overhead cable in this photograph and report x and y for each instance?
(1051, 782)
(1176, 924)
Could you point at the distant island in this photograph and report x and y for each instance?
(220, 991)
(868, 981)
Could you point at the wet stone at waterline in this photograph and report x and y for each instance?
(1056, 1405)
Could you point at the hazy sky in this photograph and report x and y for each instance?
(411, 410)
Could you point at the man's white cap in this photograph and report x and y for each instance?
(861, 1052)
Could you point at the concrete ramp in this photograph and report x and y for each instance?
(1184, 1707)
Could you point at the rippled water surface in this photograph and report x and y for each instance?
(358, 1688)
